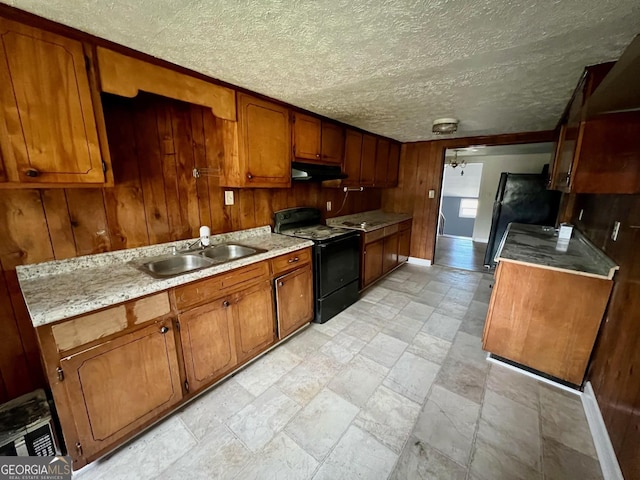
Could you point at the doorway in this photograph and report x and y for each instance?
(459, 201)
(470, 180)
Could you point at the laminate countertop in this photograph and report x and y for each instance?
(368, 221)
(537, 245)
(62, 289)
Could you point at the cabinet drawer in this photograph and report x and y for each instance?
(390, 230)
(85, 329)
(406, 225)
(205, 290)
(373, 236)
(291, 260)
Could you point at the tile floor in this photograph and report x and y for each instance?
(396, 386)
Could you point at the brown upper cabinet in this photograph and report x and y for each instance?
(306, 137)
(51, 123)
(316, 140)
(352, 156)
(368, 160)
(332, 143)
(264, 146)
(382, 163)
(393, 165)
(597, 155)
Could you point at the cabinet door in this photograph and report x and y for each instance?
(253, 317)
(372, 262)
(122, 385)
(382, 163)
(332, 143)
(294, 300)
(352, 154)
(404, 245)
(265, 143)
(306, 136)
(368, 160)
(46, 107)
(390, 255)
(394, 164)
(208, 343)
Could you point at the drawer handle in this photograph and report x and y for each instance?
(293, 260)
(164, 330)
(32, 172)
(280, 284)
(225, 304)
(249, 176)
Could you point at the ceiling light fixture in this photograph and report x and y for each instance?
(445, 126)
(453, 162)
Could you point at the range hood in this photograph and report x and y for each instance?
(310, 172)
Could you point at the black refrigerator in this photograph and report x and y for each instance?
(521, 198)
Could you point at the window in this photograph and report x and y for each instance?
(468, 207)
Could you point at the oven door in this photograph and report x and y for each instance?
(337, 264)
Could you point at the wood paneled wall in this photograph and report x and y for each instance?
(421, 168)
(155, 144)
(615, 368)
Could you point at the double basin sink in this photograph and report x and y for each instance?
(191, 260)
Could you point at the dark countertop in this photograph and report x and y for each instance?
(368, 221)
(537, 245)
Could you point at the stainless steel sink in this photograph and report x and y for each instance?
(228, 252)
(192, 260)
(176, 265)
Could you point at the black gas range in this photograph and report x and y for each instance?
(336, 259)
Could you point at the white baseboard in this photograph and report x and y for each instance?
(480, 239)
(419, 261)
(527, 373)
(607, 456)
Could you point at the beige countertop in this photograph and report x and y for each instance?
(57, 290)
(368, 221)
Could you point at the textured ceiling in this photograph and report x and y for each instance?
(390, 67)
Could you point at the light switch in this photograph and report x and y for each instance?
(328, 206)
(228, 197)
(432, 194)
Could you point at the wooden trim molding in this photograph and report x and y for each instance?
(126, 76)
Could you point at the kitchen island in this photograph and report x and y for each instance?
(548, 301)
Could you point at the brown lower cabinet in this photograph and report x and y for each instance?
(383, 250)
(545, 319)
(293, 303)
(208, 343)
(116, 371)
(119, 386)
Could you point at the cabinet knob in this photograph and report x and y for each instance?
(249, 176)
(32, 172)
(225, 304)
(293, 260)
(164, 330)
(317, 155)
(280, 284)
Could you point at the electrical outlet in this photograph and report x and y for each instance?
(328, 206)
(616, 229)
(581, 212)
(228, 197)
